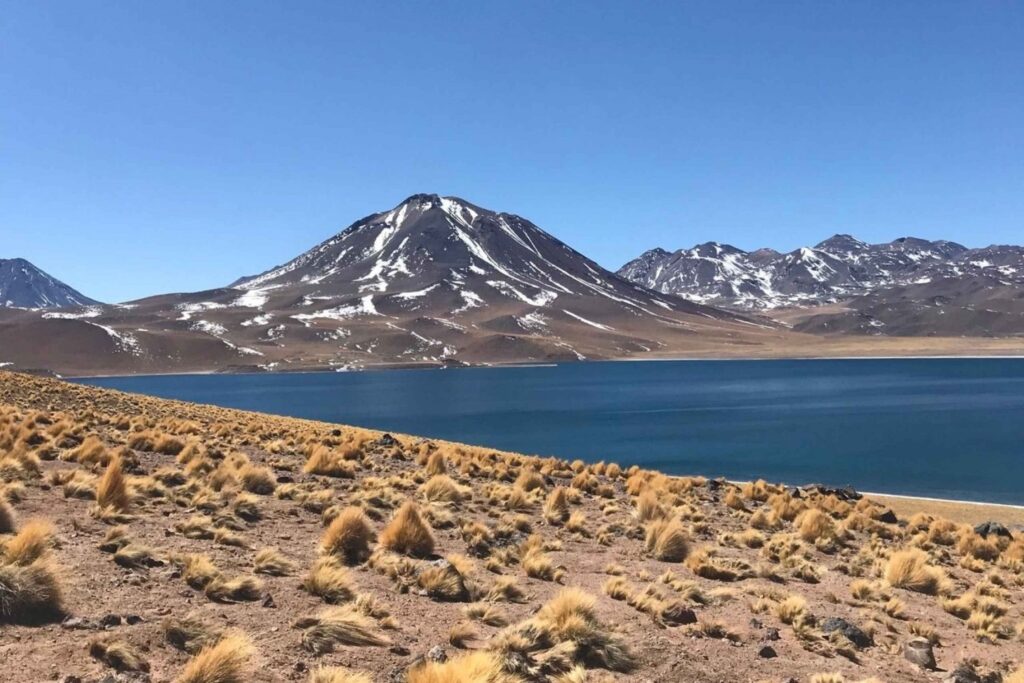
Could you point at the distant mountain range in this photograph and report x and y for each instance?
(25, 286)
(441, 281)
(905, 287)
(434, 280)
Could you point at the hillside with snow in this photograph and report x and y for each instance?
(908, 286)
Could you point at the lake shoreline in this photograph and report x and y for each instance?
(515, 365)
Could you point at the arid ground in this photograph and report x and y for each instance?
(144, 539)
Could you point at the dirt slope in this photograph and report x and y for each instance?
(688, 579)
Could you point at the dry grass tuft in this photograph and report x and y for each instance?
(30, 593)
(442, 489)
(667, 540)
(30, 544)
(112, 491)
(339, 626)
(336, 674)
(7, 517)
(330, 581)
(556, 506)
(189, 634)
(909, 569)
(225, 662)
(270, 561)
(118, 654)
(238, 589)
(407, 533)
(349, 536)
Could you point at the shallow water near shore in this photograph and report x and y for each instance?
(944, 428)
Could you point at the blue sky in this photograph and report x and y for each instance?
(149, 147)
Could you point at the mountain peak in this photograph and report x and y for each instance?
(23, 285)
(841, 242)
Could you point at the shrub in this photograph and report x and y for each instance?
(813, 524)
(407, 533)
(348, 536)
(444, 583)
(112, 491)
(909, 569)
(117, 654)
(336, 674)
(474, 667)
(339, 626)
(667, 540)
(442, 488)
(791, 609)
(436, 464)
(30, 593)
(225, 662)
(7, 518)
(239, 589)
(330, 581)
(270, 561)
(189, 634)
(328, 463)
(30, 544)
(556, 506)
(258, 480)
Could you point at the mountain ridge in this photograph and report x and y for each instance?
(909, 286)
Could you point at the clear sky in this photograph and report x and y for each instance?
(148, 147)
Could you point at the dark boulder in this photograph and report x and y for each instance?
(846, 493)
(986, 529)
(887, 517)
(850, 631)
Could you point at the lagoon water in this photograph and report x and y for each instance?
(945, 428)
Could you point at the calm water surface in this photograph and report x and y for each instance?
(932, 427)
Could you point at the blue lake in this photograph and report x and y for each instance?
(947, 428)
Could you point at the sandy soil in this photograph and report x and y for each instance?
(767, 550)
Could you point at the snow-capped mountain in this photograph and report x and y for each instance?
(22, 285)
(838, 268)
(435, 280)
(907, 287)
(443, 254)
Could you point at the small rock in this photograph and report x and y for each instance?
(963, 673)
(986, 529)
(399, 650)
(71, 679)
(300, 666)
(76, 624)
(850, 631)
(767, 652)
(888, 517)
(268, 601)
(132, 619)
(771, 633)
(919, 651)
(437, 654)
(110, 621)
(756, 624)
(676, 615)
(388, 440)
